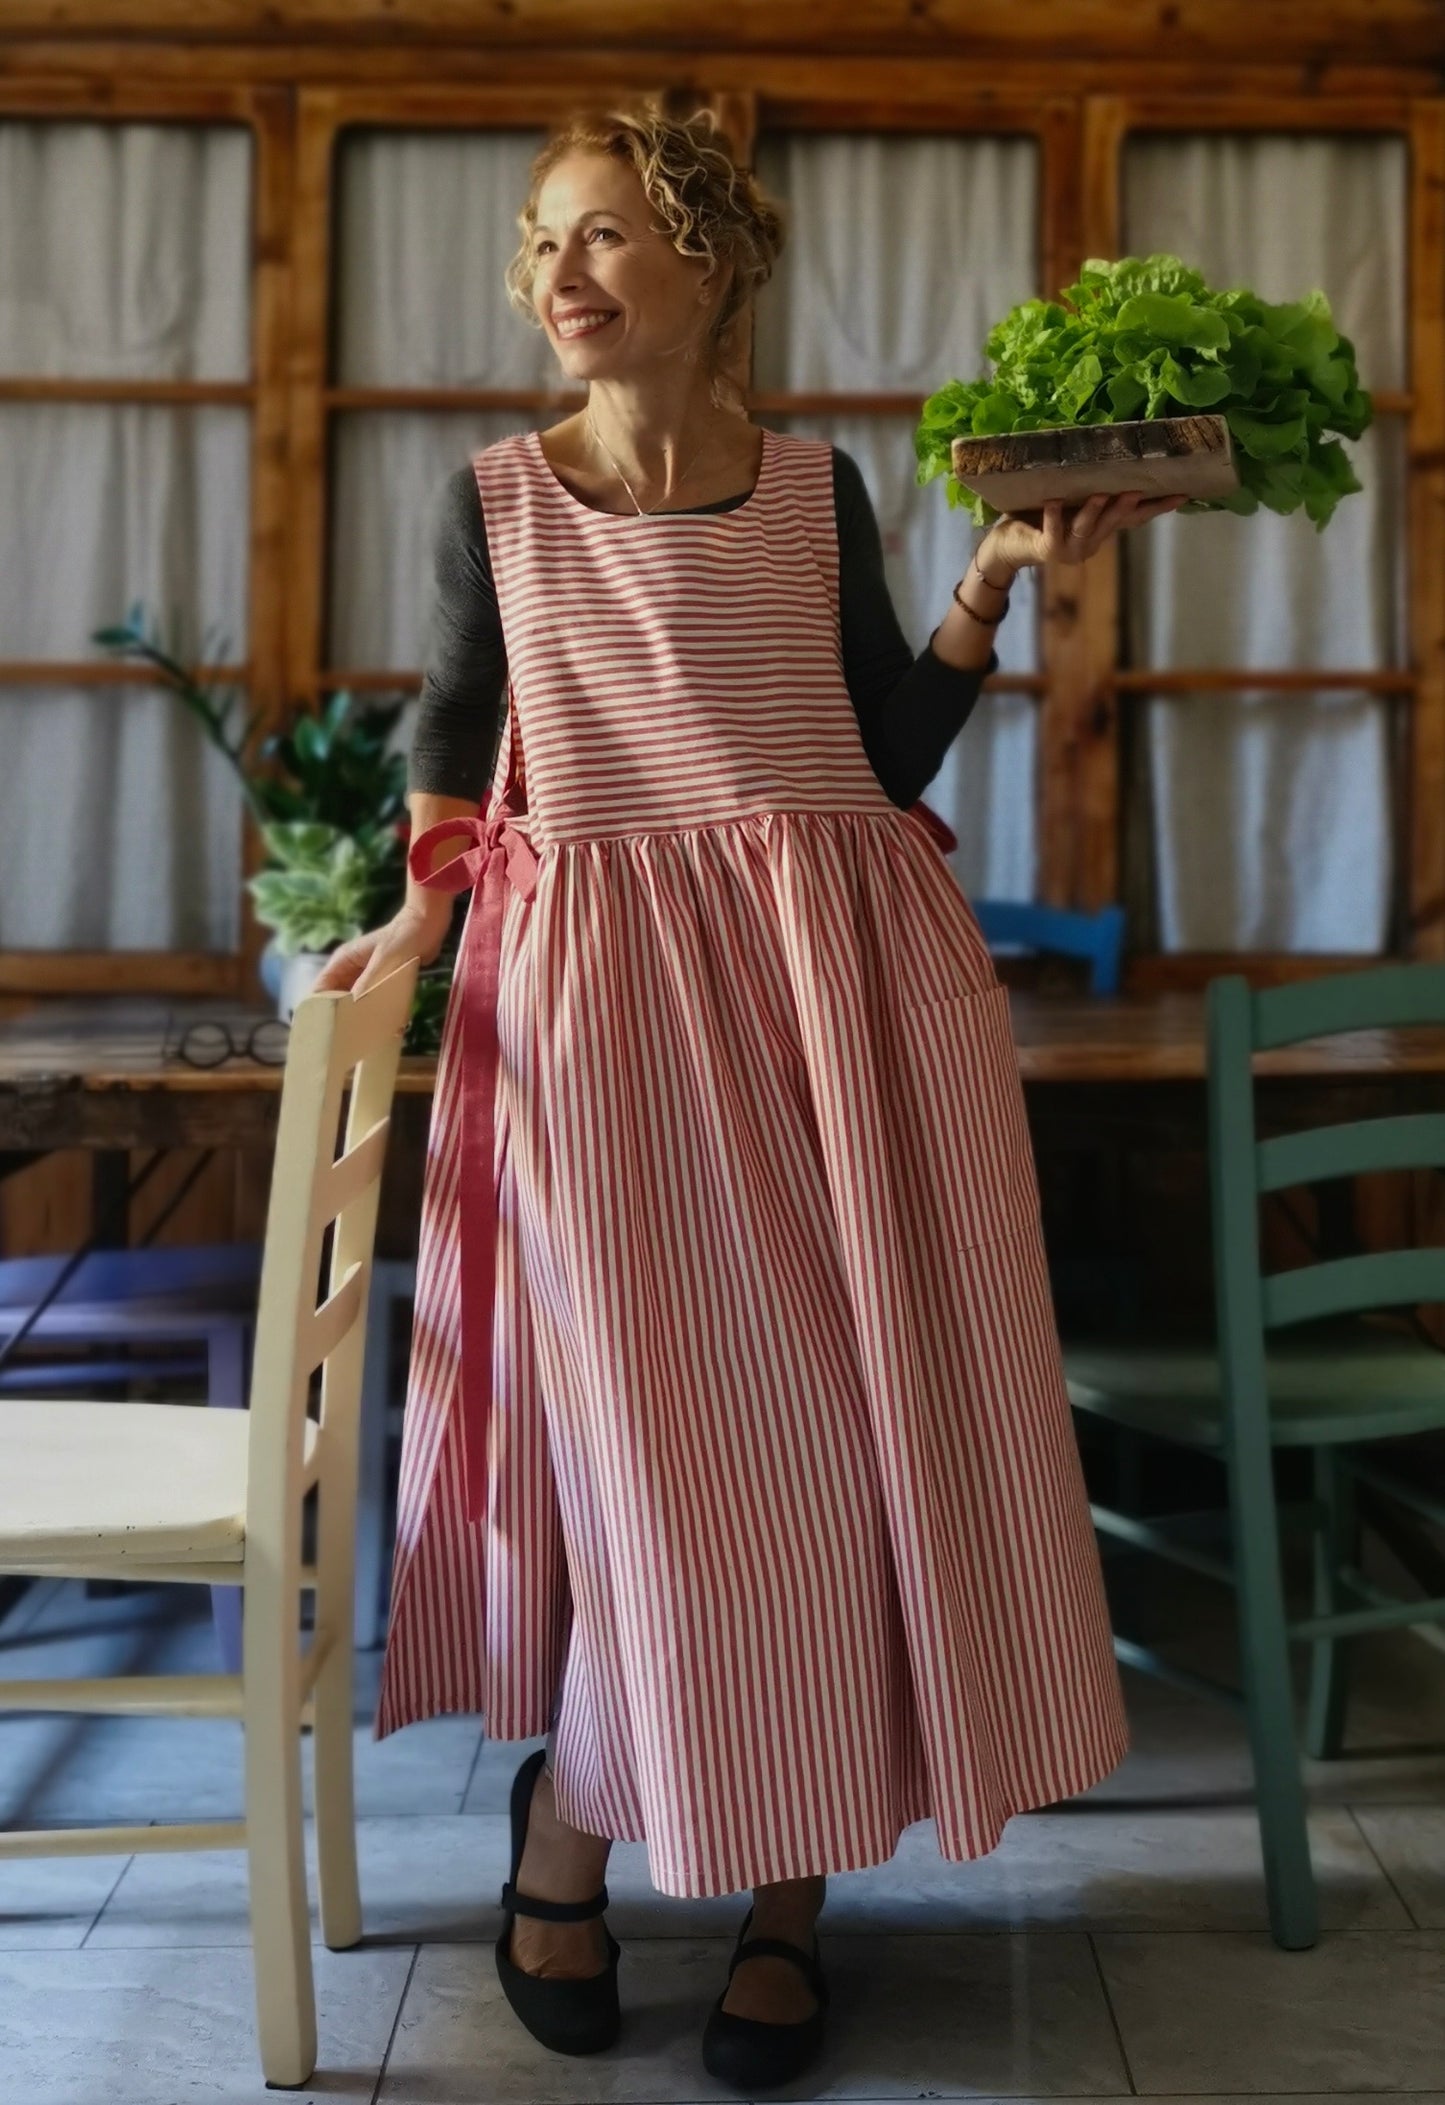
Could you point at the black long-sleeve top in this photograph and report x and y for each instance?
(909, 709)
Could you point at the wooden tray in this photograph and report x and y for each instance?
(1021, 471)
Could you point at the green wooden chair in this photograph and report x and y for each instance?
(1333, 1389)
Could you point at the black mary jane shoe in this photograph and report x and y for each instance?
(748, 2052)
(570, 2017)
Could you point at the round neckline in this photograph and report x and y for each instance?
(534, 439)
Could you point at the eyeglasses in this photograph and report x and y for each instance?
(211, 1044)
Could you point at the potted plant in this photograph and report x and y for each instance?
(329, 797)
(1141, 377)
(321, 888)
(335, 769)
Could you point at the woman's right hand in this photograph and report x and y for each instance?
(368, 958)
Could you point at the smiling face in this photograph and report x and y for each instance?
(611, 291)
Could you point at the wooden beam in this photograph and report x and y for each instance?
(129, 91)
(83, 75)
(1239, 31)
(317, 124)
(118, 972)
(1079, 806)
(736, 110)
(1426, 536)
(1141, 679)
(271, 473)
(105, 672)
(1249, 110)
(186, 394)
(1060, 252)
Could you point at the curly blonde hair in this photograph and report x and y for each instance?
(707, 203)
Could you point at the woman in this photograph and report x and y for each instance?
(760, 1494)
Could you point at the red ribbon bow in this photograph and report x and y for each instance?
(498, 855)
(942, 832)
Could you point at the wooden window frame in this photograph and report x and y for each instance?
(1085, 705)
(267, 113)
(1080, 129)
(1081, 139)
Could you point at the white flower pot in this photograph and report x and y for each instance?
(299, 975)
(269, 966)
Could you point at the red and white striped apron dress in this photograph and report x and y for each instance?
(779, 1511)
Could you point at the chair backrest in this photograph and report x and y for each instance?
(1099, 937)
(333, 1037)
(1242, 1022)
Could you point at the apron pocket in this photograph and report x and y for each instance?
(978, 1155)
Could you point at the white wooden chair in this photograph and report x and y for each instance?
(163, 1492)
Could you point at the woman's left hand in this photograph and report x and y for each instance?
(1068, 537)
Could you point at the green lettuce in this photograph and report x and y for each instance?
(1145, 337)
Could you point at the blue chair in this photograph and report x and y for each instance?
(1098, 937)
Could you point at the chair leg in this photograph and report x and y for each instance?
(280, 1921)
(1279, 1786)
(226, 1390)
(332, 1740)
(1330, 1657)
(332, 1770)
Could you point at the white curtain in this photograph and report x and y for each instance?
(1257, 820)
(1253, 820)
(427, 223)
(853, 307)
(124, 253)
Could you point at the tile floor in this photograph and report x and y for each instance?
(1114, 1947)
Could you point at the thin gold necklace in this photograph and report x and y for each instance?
(643, 511)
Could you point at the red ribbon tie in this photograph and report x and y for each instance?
(498, 854)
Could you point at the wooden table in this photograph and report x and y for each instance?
(1113, 1082)
(1134, 1066)
(92, 1073)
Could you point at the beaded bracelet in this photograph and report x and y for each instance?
(984, 621)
